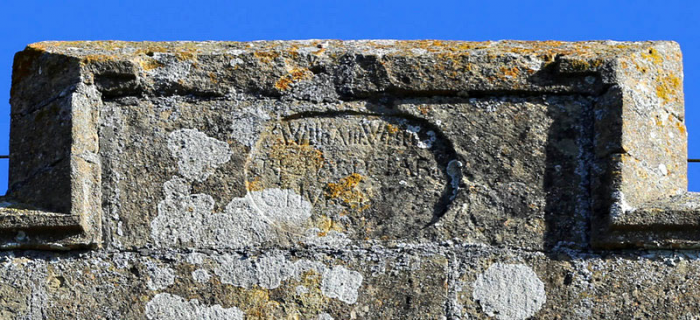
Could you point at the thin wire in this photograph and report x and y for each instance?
(7, 157)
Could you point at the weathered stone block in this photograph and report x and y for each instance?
(348, 180)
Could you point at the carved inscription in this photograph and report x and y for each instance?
(371, 176)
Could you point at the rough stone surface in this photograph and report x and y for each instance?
(168, 307)
(348, 180)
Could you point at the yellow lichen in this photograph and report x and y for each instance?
(284, 302)
(256, 303)
(596, 63)
(579, 65)
(326, 224)
(654, 56)
(667, 88)
(97, 58)
(185, 55)
(150, 64)
(680, 127)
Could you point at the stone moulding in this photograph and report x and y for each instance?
(54, 198)
(636, 179)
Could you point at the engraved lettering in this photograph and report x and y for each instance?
(349, 166)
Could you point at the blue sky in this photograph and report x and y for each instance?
(24, 22)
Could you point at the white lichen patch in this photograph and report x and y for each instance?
(341, 283)
(246, 127)
(189, 220)
(201, 275)
(663, 170)
(171, 307)
(267, 272)
(509, 291)
(159, 277)
(301, 290)
(273, 270)
(324, 316)
(424, 144)
(198, 155)
(333, 239)
(172, 70)
(281, 205)
(619, 206)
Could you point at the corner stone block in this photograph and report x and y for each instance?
(54, 190)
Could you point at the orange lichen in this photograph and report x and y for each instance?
(293, 51)
(319, 51)
(347, 190)
(424, 109)
(296, 158)
(392, 128)
(283, 83)
(212, 77)
(266, 56)
(678, 124)
(512, 72)
(268, 51)
(336, 190)
(295, 75)
(254, 185)
(40, 46)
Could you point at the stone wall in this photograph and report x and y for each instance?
(348, 180)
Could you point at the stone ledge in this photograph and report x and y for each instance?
(674, 212)
(22, 219)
